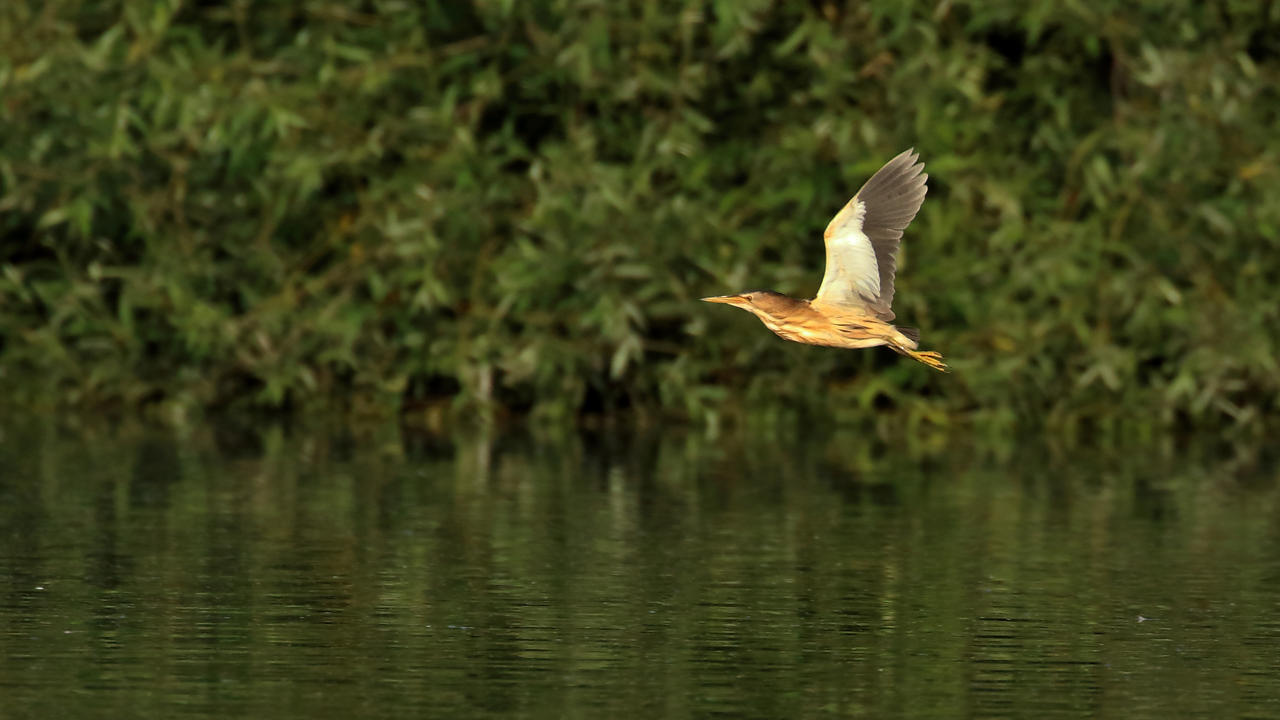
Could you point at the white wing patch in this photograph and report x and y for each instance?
(852, 270)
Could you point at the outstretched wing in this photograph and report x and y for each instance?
(862, 239)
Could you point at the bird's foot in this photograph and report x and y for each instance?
(930, 358)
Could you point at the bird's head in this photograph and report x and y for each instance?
(756, 301)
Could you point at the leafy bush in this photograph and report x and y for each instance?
(387, 205)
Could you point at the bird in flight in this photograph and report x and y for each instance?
(853, 307)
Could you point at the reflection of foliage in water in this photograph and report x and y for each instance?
(756, 577)
(298, 204)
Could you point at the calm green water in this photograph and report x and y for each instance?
(257, 574)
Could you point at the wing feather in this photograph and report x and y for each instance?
(862, 239)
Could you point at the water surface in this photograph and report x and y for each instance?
(271, 574)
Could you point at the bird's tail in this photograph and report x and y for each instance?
(928, 357)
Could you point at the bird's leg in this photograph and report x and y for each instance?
(928, 357)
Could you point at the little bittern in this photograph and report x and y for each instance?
(853, 306)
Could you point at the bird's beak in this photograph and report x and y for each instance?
(726, 299)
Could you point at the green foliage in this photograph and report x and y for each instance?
(516, 204)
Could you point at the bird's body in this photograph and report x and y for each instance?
(853, 307)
